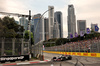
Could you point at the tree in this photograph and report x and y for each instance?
(10, 29)
(26, 36)
(1, 29)
(61, 41)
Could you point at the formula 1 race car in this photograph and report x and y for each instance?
(62, 58)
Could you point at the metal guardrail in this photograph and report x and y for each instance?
(37, 50)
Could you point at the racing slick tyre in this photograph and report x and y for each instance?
(70, 57)
(54, 59)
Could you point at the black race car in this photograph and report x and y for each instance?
(62, 58)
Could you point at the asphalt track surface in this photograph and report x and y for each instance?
(76, 61)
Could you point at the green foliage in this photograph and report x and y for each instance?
(9, 29)
(58, 41)
(8, 52)
(61, 41)
(26, 36)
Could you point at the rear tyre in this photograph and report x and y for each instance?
(70, 57)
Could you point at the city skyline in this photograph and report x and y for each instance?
(84, 10)
(24, 22)
(38, 28)
(58, 18)
(81, 26)
(56, 30)
(51, 20)
(71, 21)
(46, 28)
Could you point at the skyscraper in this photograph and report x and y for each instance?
(24, 22)
(38, 28)
(58, 17)
(56, 29)
(51, 20)
(93, 26)
(46, 28)
(81, 26)
(17, 22)
(71, 21)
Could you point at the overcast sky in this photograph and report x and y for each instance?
(88, 10)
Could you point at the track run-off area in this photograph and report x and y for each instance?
(77, 59)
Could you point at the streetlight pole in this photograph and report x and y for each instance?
(29, 24)
(36, 29)
(40, 19)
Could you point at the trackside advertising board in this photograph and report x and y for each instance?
(76, 53)
(14, 58)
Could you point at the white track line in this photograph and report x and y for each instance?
(0, 65)
(23, 63)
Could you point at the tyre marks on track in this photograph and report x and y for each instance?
(79, 63)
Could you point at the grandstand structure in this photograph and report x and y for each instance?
(90, 45)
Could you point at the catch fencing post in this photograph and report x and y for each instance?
(2, 52)
(13, 46)
(22, 47)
